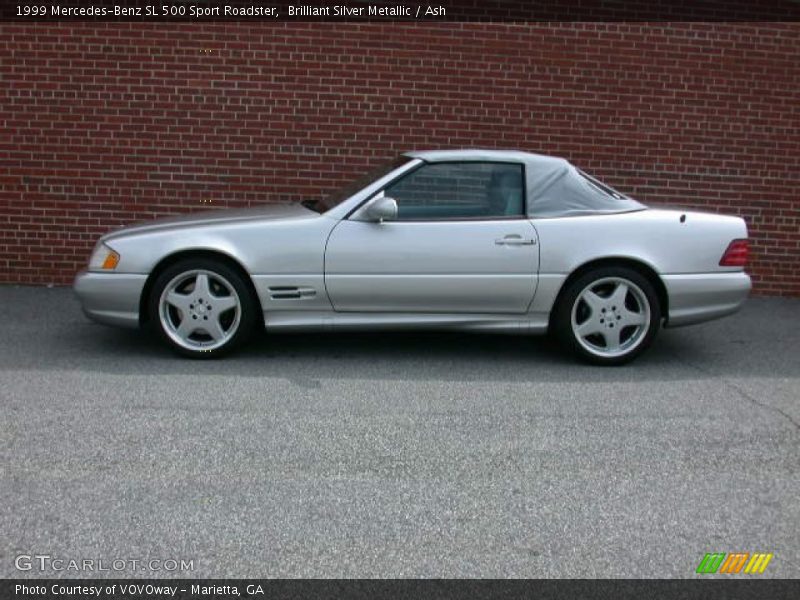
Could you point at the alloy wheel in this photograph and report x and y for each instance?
(200, 310)
(610, 317)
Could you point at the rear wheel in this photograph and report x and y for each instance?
(202, 308)
(608, 316)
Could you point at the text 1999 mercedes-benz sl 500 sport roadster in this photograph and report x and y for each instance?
(469, 240)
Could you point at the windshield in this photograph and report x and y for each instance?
(344, 193)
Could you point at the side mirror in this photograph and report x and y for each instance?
(382, 209)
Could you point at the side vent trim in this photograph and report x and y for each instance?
(291, 292)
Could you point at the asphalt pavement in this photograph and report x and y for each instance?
(396, 455)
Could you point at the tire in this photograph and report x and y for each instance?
(202, 308)
(608, 316)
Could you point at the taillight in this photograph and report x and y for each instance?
(736, 254)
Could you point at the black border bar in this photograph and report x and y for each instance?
(455, 10)
(750, 588)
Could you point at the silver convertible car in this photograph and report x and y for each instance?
(468, 240)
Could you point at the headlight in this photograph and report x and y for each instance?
(103, 258)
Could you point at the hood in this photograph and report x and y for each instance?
(269, 212)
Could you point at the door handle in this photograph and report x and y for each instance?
(514, 240)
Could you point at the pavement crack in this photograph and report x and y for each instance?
(743, 393)
(757, 402)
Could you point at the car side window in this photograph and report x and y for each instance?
(465, 190)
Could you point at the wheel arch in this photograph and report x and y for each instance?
(179, 255)
(643, 268)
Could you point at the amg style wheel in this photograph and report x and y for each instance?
(609, 316)
(202, 308)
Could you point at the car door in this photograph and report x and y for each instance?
(460, 243)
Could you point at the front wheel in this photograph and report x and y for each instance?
(202, 308)
(608, 316)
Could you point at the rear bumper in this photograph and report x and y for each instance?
(703, 297)
(110, 298)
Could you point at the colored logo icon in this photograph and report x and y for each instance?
(735, 562)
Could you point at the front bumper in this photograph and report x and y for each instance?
(695, 298)
(110, 298)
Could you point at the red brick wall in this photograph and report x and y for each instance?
(103, 124)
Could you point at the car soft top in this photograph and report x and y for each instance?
(555, 188)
